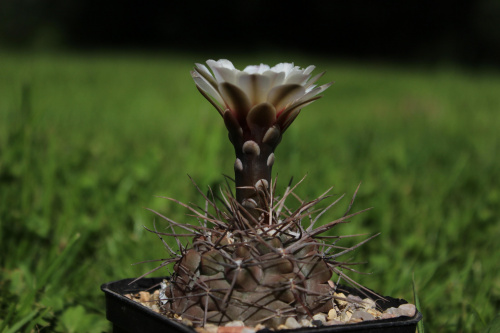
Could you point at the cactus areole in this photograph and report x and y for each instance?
(258, 105)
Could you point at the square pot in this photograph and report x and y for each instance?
(129, 316)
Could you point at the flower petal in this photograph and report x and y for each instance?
(289, 120)
(286, 117)
(312, 93)
(223, 70)
(236, 100)
(221, 63)
(262, 115)
(297, 78)
(226, 63)
(203, 84)
(225, 75)
(283, 67)
(233, 127)
(203, 70)
(309, 69)
(255, 86)
(259, 96)
(314, 79)
(283, 95)
(275, 79)
(292, 71)
(204, 73)
(207, 96)
(256, 69)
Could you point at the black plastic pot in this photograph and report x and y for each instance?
(129, 316)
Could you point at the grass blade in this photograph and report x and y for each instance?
(420, 325)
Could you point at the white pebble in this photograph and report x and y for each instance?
(292, 323)
(387, 316)
(407, 310)
(374, 312)
(332, 314)
(305, 323)
(359, 314)
(320, 316)
(346, 315)
(236, 323)
(368, 303)
(393, 311)
(341, 303)
(211, 328)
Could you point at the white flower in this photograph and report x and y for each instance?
(259, 95)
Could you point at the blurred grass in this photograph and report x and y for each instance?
(87, 141)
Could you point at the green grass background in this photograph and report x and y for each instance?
(87, 141)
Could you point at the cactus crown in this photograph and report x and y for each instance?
(251, 257)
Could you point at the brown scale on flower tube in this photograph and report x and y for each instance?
(249, 203)
(251, 148)
(272, 135)
(262, 184)
(238, 165)
(270, 160)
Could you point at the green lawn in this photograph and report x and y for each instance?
(87, 142)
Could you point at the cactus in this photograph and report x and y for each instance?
(252, 258)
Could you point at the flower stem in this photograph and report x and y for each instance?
(252, 171)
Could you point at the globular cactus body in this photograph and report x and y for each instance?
(250, 276)
(259, 271)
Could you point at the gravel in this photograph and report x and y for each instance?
(346, 310)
